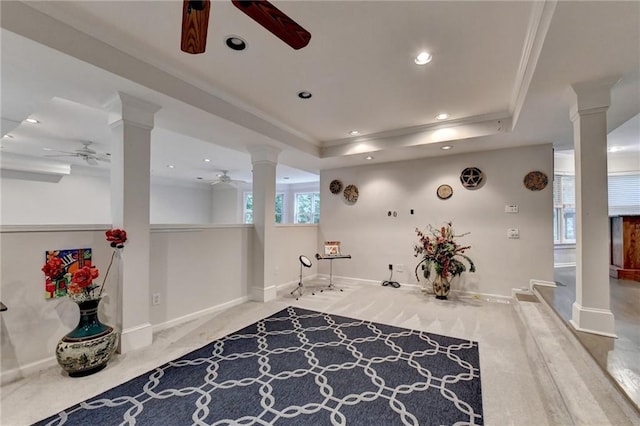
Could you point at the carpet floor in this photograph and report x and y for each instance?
(302, 367)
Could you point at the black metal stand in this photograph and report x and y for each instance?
(304, 261)
(300, 288)
(331, 286)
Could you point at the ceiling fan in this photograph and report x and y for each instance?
(224, 177)
(91, 156)
(195, 22)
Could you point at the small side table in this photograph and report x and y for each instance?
(331, 286)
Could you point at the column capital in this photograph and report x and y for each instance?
(122, 106)
(264, 153)
(591, 96)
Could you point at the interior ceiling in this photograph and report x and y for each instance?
(502, 70)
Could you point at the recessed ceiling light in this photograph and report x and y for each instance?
(446, 147)
(8, 136)
(171, 166)
(31, 120)
(206, 160)
(219, 175)
(368, 157)
(442, 116)
(235, 43)
(47, 149)
(423, 58)
(286, 178)
(304, 94)
(614, 149)
(354, 133)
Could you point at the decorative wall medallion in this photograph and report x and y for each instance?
(471, 177)
(351, 193)
(536, 181)
(335, 186)
(444, 192)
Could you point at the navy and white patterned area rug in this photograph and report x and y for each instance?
(301, 367)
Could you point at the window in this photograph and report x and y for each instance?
(624, 194)
(624, 198)
(247, 210)
(279, 207)
(564, 209)
(307, 208)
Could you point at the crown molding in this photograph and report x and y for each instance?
(539, 23)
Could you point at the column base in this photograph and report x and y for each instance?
(259, 294)
(592, 320)
(136, 338)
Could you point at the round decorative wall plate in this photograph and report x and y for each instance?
(471, 177)
(444, 192)
(335, 186)
(536, 181)
(351, 193)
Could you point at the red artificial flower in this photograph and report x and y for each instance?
(85, 276)
(116, 237)
(53, 268)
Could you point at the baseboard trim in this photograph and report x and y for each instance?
(419, 287)
(198, 314)
(564, 265)
(592, 320)
(541, 283)
(27, 370)
(263, 294)
(135, 338)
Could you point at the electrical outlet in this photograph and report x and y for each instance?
(399, 267)
(513, 208)
(513, 233)
(155, 300)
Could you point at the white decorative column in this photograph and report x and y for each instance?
(131, 120)
(264, 160)
(591, 312)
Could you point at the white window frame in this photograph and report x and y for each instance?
(314, 209)
(246, 195)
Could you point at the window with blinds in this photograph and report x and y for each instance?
(624, 194)
(624, 199)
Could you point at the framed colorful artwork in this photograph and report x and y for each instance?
(72, 260)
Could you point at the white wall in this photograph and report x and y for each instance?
(32, 326)
(86, 199)
(226, 204)
(617, 162)
(293, 241)
(375, 240)
(180, 204)
(75, 199)
(194, 269)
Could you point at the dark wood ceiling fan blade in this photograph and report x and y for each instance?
(195, 22)
(274, 20)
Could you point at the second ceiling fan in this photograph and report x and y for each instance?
(195, 22)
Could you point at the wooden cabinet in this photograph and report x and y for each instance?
(625, 247)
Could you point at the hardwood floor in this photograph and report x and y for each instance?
(620, 357)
